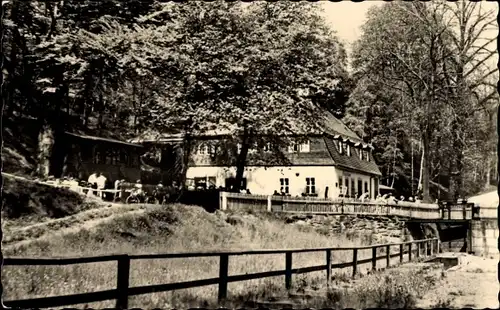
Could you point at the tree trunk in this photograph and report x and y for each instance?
(45, 147)
(420, 178)
(425, 169)
(186, 156)
(241, 161)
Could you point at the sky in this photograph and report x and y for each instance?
(346, 18)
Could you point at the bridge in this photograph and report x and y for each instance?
(475, 227)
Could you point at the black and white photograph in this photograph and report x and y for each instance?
(249, 154)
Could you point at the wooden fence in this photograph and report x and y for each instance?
(237, 201)
(122, 291)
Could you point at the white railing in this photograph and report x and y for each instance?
(238, 201)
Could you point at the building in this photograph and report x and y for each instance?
(327, 163)
(84, 155)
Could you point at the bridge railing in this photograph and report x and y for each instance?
(413, 250)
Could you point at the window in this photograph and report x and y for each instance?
(367, 155)
(200, 183)
(284, 185)
(239, 147)
(253, 148)
(361, 154)
(353, 189)
(348, 152)
(100, 157)
(310, 186)
(305, 147)
(366, 187)
(231, 182)
(124, 158)
(213, 150)
(212, 182)
(293, 147)
(267, 147)
(203, 149)
(347, 191)
(340, 146)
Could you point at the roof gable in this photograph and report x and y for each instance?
(351, 162)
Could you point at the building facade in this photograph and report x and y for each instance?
(328, 163)
(85, 155)
(321, 166)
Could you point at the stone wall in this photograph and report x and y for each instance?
(485, 237)
(370, 228)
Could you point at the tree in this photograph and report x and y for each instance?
(470, 71)
(47, 75)
(412, 55)
(249, 71)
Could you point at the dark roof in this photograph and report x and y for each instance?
(86, 137)
(351, 162)
(333, 126)
(329, 124)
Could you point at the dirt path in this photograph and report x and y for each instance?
(473, 284)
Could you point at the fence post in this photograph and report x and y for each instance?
(374, 258)
(223, 201)
(425, 248)
(288, 270)
(431, 245)
(223, 271)
(328, 267)
(438, 248)
(122, 282)
(354, 262)
(418, 250)
(269, 203)
(409, 252)
(401, 253)
(388, 256)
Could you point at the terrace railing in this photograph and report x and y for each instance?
(413, 250)
(287, 204)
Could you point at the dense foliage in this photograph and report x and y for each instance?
(421, 90)
(425, 95)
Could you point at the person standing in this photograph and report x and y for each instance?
(101, 183)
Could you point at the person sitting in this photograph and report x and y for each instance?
(364, 196)
(160, 193)
(137, 190)
(248, 192)
(276, 193)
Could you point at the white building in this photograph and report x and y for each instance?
(329, 163)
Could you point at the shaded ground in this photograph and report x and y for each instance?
(26, 199)
(473, 284)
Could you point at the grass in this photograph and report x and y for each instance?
(171, 229)
(25, 201)
(180, 228)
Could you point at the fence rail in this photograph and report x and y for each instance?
(123, 290)
(237, 201)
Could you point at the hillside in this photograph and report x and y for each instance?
(166, 229)
(27, 202)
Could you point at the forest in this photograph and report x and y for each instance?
(419, 84)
